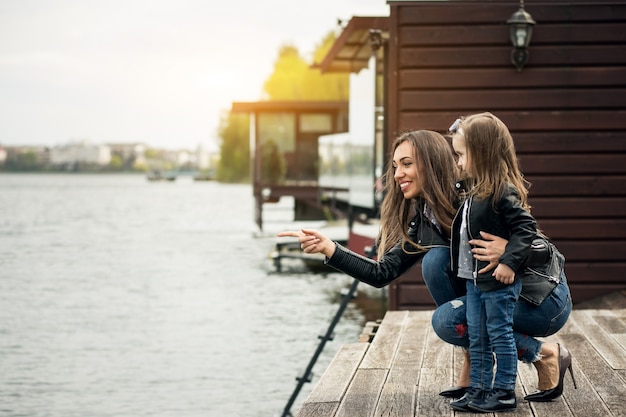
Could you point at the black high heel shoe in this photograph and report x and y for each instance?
(565, 363)
(454, 392)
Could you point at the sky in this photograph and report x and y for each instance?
(160, 72)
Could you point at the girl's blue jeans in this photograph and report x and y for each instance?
(490, 324)
(529, 321)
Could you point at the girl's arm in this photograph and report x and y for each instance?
(523, 229)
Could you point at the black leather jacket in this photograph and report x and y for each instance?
(506, 219)
(396, 261)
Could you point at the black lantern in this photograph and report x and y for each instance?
(521, 29)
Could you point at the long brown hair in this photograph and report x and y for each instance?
(493, 159)
(435, 160)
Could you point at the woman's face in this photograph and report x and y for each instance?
(408, 172)
(460, 149)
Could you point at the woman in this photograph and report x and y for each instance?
(416, 217)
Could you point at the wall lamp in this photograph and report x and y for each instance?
(521, 29)
(377, 38)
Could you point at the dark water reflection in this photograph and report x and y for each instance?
(121, 297)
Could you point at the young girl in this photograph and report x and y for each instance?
(496, 202)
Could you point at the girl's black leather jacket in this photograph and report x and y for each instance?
(396, 261)
(506, 219)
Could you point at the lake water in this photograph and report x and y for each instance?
(122, 297)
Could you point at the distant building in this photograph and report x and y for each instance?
(3, 155)
(203, 157)
(80, 153)
(132, 154)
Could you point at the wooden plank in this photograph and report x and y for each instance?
(318, 409)
(398, 394)
(578, 208)
(416, 100)
(499, 56)
(363, 393)
(572, 142)
(611, 351)
(598, 387)
(409, 355)
(452, 12)
(594, 164)
(610, 323)
(416, 292)
(335, 380)
(436, 374)
(576, 186)
(457, 35)
(481, 98)
(621, 339)
(607, 272)
(383, 347)
(584, 292)
(493, 33)
(468, 78)
(584, 229)
(615, 301)
(524, 121)
(594, 251)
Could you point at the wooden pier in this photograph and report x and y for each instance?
(399, 366)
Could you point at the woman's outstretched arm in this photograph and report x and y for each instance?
(376, 273)
(312, 241)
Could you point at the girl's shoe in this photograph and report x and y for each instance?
(565, 363)
(462, 404)
(496, 400)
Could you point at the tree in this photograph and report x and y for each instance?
(234, 164)
(295, 79)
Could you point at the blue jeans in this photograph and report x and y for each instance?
(490, 327)
(529, 321)
(437, 274)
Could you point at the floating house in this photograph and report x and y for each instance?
(284, 148)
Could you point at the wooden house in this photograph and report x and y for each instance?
(284, 148)
(566, 109)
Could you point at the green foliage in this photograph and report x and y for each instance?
(295, 79)
(23, 161)
(117, 163)
(234, 164)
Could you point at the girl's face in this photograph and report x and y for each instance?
(408, 172)
(463, 161)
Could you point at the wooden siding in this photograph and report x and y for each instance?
(566, 111)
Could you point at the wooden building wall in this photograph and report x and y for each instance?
(566, 111)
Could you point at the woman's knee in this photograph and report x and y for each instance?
(450, 323)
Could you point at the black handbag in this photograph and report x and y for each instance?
(538, 281)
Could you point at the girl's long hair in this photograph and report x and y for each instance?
(435, 161)
(492, 156)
